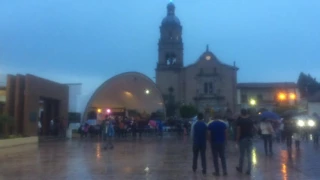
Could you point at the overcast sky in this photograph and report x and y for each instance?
(91, 41)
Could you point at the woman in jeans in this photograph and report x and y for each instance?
(267, 132)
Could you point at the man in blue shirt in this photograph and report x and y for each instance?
(199, 137)
(217, 138)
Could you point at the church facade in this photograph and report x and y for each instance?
(207, 83)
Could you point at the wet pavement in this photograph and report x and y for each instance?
(167, 159)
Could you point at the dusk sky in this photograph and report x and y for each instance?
(71, 41)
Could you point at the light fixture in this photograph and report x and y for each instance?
(300, 123)
(311, 123)
(108, 111)
(253, 102)
(292, 96)
(282, 96)
(147, 91)
(99, 110)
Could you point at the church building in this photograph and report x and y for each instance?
(207, 83)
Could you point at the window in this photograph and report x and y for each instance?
(205, 88)
(260, 97)
(201, 70)
(208, 88)
(214, 70)
(171, 59)
(244, 98)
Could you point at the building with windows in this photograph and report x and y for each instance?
(266, 95)
(207, 83)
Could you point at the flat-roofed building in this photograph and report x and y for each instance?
(266, 95)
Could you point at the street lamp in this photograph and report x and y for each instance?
(147, 91)
(282, 96)
(292, 96)
(253, 102)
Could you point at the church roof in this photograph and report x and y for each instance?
(268, 85)
(214, 57)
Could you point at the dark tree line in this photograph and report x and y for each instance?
(307, 85)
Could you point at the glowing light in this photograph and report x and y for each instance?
(300, 123)
(108, 111)
(253, 102)
(311, 123)
(282, 96)
(292, 96)
(254, 157)
(147, 91)
(284, 171)
(99, 110)
(129, 94)
(98, 153)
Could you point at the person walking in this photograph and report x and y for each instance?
(245, 128)
(108, 134)
(267, 132)
(199, 138)
(289, 129)
(218, 131)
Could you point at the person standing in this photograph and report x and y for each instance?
(267, 132)
(109, 133)
(39, 128)
(218, 131)
(289, 129)
(245, 127)
(199, 138)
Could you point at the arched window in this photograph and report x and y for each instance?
(171, 59)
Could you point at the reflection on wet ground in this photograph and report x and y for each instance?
(149, 158)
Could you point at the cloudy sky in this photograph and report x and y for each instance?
(90, 41)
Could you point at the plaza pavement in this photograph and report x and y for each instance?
(151, 158)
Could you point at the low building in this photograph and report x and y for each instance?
(266, 95)
(29, 99)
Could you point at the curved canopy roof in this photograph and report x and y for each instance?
(131, 90)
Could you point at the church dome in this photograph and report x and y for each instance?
(171, 19)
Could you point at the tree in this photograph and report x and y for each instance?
(170, 102)
(307, 85)
(188, 111)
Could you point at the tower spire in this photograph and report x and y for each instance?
(207, 49)
(171, 8)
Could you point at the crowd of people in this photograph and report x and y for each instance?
(244, 130)
(121, 128)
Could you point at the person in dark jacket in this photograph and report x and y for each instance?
(289, 127)
(199, 137)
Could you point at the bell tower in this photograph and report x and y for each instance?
(170, 55)
(170, 42)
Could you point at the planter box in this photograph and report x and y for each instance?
(7, 143)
